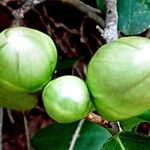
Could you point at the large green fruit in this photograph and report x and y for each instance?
(27, 61)
(66, 99)
(119, 78)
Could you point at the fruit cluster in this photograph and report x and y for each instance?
(117, 85)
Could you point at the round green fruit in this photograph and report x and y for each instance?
(27, 58)
(66, 99)
(27, 61)
(119, 78)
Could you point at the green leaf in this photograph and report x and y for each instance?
(65, 64)
(92, 137)
(128, 141)
(59, 136)
(101, 5)
(145, 116)
(131, 124)
(134, 16)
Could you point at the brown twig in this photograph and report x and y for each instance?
(29, 4)
(88, 10)
(111, 126)
(5, 5)
(85, 9)
(98, 120)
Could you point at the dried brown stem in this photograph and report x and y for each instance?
(3, 3)
(85, 9)
(29, 4)
(88, 10)
(111, 126)
(98, 120)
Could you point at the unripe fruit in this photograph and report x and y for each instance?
(27, 61)
(119, 78)
(66, 99)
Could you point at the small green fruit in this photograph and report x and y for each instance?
(66, 99)
(27, 61)
(119, 78)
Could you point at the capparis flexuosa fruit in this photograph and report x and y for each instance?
(119, 78)
(27, 61)
(67, 99)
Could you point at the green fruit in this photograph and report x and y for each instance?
(27, 61)
(27, 58)
(66, 99)
(119, 78)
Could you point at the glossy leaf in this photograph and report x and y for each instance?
(65, 64)
(145, 116)
(101, 5)
(128, 141)
(134, 16)
(59, 136)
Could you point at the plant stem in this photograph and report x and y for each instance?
(26, 132)
(10, 116)
(88, 10)
(29, 4)
(98, 120)
(76, 134)
(85, 9)
(110, 32)
(1, 125)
